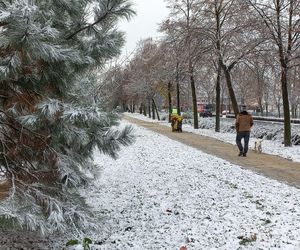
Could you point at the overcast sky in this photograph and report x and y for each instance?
(145, 24)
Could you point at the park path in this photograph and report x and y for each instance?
(274, 167)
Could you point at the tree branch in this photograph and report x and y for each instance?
(3, 24)
(87, 26)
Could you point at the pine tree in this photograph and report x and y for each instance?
(50, 122)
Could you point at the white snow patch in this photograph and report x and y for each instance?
(161, 194)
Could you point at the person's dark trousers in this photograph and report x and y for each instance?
(243, 135)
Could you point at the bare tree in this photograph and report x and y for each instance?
(185, 15)
(229, 28)
(174, 52)
(281, 18)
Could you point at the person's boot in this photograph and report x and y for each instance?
(244, 154)
(241, 153)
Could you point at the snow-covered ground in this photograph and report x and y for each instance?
(161, 194)
(269, 147)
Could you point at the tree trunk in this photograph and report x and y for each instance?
(218, 99)
(261, 106)
(133, 107)
(149, 107)
(141, 109)
(178, 89)
(124, 106)
(286, 106)
(283, 57)
(170, 100)
(153, 110)
(230, 88)
(222, 102)
(262, 112)
(267, 109)
(194, 98)
(154, 105)
(296, 111)
(145, 109)
(292, 110)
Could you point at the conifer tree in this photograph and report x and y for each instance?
(50, 121)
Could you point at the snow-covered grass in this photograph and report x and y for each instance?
(161, 194)
(269, 147)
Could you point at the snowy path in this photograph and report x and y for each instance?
(269, 147)
(271, 166)
(151, 199)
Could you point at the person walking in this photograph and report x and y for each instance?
(243, 124)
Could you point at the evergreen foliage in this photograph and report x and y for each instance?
(50, 122)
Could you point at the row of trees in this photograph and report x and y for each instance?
(52, 115)
(248, 50)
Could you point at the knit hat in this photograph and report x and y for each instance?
(243, 108)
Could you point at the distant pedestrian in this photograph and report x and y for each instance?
(243, 124)
(176, 122)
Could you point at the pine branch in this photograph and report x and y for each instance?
(3, 24)
(49, 123)
(87, 26)
(111, 10)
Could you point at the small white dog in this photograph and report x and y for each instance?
(258, 145)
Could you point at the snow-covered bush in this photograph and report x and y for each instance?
(295, 137)
(188, 115)
(268, 131)
(164, 116)
(206, 123)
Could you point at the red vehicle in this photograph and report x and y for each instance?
(204, 109)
